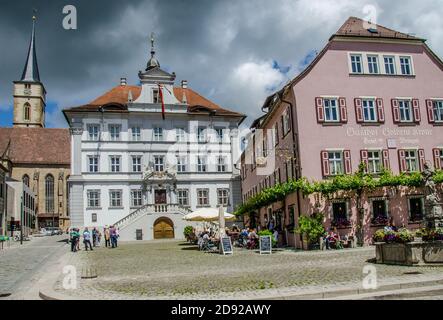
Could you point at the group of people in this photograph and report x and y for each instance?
(92, 239)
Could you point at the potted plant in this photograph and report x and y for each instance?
(311, 228)
(188, 233)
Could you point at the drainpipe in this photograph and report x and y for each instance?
(295, 148)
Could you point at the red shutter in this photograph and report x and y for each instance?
(386, 162)
(364, 159)
(395, 111)
(348, 164)
(430, 109)
(325, 163)
(422, 159)
(380, 110)
(343, 110)
(320, 110)
(437, 159)
(359, 110)
(416, 108)
(402, 160)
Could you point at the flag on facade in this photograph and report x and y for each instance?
(160, 92)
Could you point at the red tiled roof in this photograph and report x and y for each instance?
(119, 96)
(36, 145)
(355, 27)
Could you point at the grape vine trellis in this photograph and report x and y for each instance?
(358, 182)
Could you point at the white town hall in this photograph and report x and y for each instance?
(145, 156)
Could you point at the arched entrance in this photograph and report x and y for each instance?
(164, 229)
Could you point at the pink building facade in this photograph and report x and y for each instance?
(372, 96)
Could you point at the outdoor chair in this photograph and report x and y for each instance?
(208, 246)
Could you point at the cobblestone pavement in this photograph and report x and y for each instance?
(19, 264)
(176, 270)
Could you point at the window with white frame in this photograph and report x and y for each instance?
(389, 64)
(94, 218)
(201, 164)
(183, 197)
(115, 163)
(136, 163)
(331, 109)
(180, 135)
(219, 135)
(93, 132)
(158, 134)
(369, 110)
(202, 197)
(373, 64)
(356, 63)
(93, 198)
(405, 65)
(181, 163)
(159, 163)
(136, 198)
(93, 164)
(335, 162)
(374, 161)
(223, 197)
(201, 134)
(405, 107)
(114, 132)
(411, 159)
(115, 198)
(438, 110)
(221, 164)
(136, 133)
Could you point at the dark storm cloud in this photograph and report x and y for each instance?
(228, 50)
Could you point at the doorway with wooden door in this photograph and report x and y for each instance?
(164, 229)
(160, 197)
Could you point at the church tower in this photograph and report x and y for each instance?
(29, 92)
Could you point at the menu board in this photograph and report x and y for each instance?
(266, 245)
(226, 246)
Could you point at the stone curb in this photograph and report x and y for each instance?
(355, 292)
(50, 294)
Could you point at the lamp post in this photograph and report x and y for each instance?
(21, 220)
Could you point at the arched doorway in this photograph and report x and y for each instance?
(164, 229)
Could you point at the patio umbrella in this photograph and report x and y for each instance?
(207, 215)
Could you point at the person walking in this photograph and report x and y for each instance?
(94, 237)
(74, 235)
(77, 244)
(99, 238)
(113, 233)
(107, 234)
(87, 239)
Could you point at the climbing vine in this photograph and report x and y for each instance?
(359, 182)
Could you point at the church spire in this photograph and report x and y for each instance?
(30, 72)
(153, 62)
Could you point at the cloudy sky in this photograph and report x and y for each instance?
(235, 52)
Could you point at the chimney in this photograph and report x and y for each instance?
(123, 82)
(185, 84)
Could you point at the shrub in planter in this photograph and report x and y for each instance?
(404, 236)
(433, 234)
(189, 230)
(379, 236)
(311, 227)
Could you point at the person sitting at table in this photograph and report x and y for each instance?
(252, 239)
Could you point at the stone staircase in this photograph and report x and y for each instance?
(151, 209)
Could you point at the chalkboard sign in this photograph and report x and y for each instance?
(226, 246)
(266, 245)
